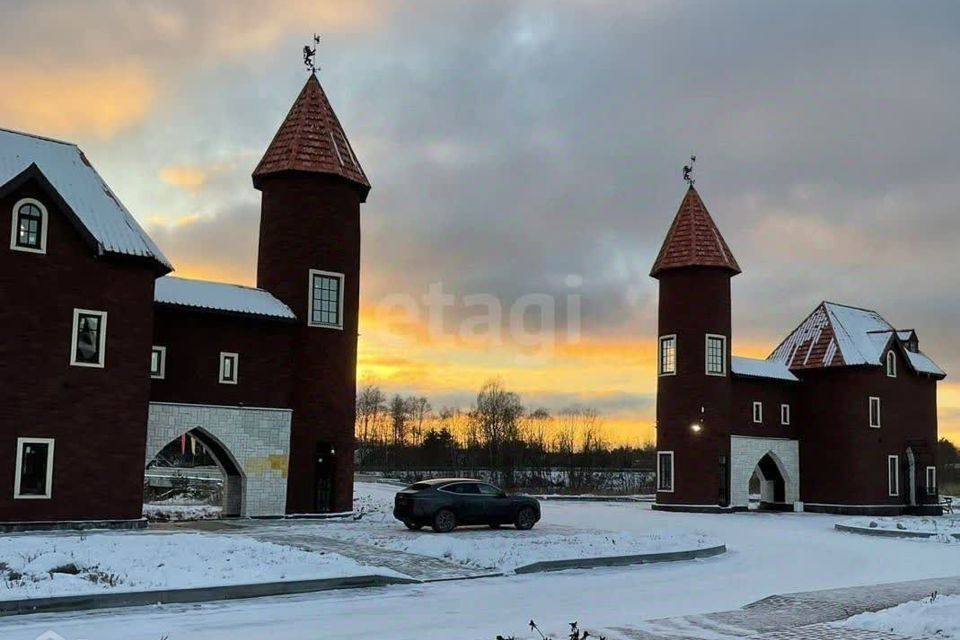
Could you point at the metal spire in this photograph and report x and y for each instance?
(688, 171)
(310, 55)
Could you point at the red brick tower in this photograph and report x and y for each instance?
(694, 268)
(312, 186)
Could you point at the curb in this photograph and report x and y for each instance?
(573, 498)
(199, 594)
(890, 533)
(619, 561)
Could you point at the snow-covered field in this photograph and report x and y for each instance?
(504, 549)
(768, 553)
(944, 527)
(928, 618)
(179, 511)
(33, 565)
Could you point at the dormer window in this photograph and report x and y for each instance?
(326, 299)
(28, 231)
(891, 364)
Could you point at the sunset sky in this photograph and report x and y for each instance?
(533, 148)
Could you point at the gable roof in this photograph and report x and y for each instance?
(694, 240)
(837, 335)
(219, 296)
(89, 201)
(768, 369)
(311, 139)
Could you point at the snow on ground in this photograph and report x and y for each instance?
(33, 565)
(928, 618)
(944, 526)
(768, 553)
(179, 510)
(503, 549)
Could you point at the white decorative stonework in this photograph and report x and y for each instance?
(255, 442)
(746, 452)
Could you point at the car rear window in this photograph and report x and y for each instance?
(418, 486)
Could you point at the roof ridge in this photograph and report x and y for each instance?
(228, 284)
(38, 137)
(850, 306)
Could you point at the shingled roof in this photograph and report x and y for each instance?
(311, 139)
(837, 335)
(694, 240)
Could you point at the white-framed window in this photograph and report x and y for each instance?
(665, 471)
(874, 412)
(326, 299)
(893, 475)
(784, 414)
(668, 355)
(89, 341)
(28, 226)
(33, 479)
(758, 412)
(931, 481)
(716, 355)
(229, 363)
(891, 364)
(158, 362)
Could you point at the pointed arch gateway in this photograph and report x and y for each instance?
(775, 461)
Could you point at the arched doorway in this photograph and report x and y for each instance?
(773, 485)
(771, 465)
(188, 458)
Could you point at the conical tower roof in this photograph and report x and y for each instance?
(694, 240)
(312, 140)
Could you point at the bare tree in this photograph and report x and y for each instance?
(371, 402)
(420, 411)
(399, 419)
(497, 417)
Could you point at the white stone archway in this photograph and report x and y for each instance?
(251, 445)
(747, 452)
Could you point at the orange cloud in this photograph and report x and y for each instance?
(187, 178)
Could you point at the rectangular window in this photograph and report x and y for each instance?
(158, 362)
(668, 355)
(716, 355)
(875, 412)
(891, 364)
(89, 338)
(229, 363)
(665, 471)
(785, 414)
(931, 481)
(33, 478)
(893, 475)
(758, 412)
(326, 299)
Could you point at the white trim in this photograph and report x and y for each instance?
(16, 478)
(895, 477)
(785, 413)
(874, 424)
(673, 471)
(102, 347)
(330, 274)
(757, 415)
(931, 486)
(891, 364)
(669, 337)
(44, 221)
(163, 362)
(706, 355)
(235, 357)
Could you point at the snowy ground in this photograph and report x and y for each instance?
(928, 618)
(768, 553)
(504, 549)
(33, 565)
(944, 526)
(180, 509)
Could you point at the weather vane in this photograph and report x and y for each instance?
(309, 55)
(688, 171)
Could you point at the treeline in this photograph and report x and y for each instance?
(497, 432)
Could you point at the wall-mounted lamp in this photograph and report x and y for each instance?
(696, 427)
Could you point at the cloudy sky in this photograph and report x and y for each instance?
(533, 148)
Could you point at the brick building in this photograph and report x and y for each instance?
(105, 358)
(841, 417)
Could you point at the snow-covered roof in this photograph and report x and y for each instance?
(220, 296)
(753, 368)
(836, 335)
(88, 197)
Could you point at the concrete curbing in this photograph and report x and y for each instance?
(889, 533)
(620, 561)
(198, 594)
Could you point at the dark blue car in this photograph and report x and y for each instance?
(446, 503)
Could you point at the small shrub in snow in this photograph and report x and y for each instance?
(575, 633)
(69, 569)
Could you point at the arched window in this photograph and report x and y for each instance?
(891, 364)
(29, 228)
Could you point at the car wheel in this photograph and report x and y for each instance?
(444, 521)
(526, 518)
(413, 526)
